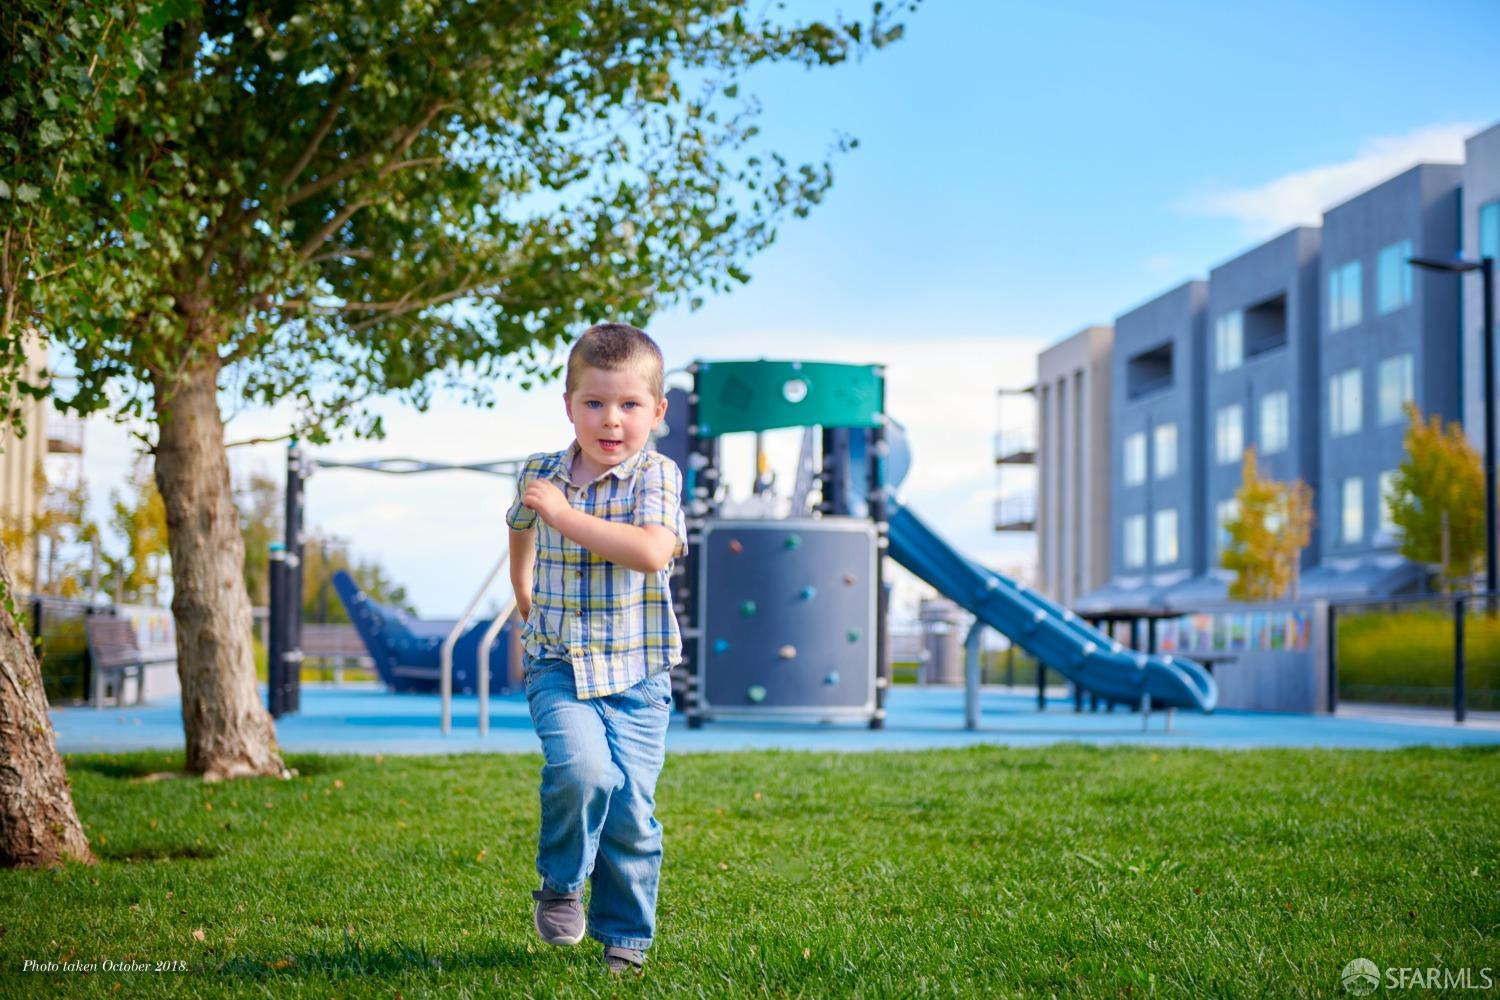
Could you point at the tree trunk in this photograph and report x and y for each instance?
(38, 825)
(229, 732)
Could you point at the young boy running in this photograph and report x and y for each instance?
(594, 532)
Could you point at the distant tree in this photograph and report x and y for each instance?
(1437, 500)
(61, 532)
(324, 202)
(259, 502)
(63, 523)
(139, 519)
(321, 558)
(1271, 526)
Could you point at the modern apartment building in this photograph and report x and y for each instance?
(20, 460)
(1389, 335)
(1306, 347)
(1073, 464)
(1153, 442)
(1259, 385)
(1479, 223)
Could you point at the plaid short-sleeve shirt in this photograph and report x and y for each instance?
(614, 624)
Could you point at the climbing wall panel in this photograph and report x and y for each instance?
(787, 617)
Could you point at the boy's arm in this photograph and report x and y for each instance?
(522, 563)
(646, 549)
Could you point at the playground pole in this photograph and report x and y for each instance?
(275, 641)
(284, 652)
(877, 511)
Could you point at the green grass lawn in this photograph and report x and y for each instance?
(980, 872)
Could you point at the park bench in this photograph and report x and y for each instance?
(339, 645)
(114, 659)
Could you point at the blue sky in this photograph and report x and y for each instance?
(1023, 171)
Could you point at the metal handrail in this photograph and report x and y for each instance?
(483, 661)
(1460, 595)
(445, 657)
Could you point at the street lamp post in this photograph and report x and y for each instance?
(1486, 268)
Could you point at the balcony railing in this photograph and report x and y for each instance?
(64, 435)
(1016, 512)
(1016, 446)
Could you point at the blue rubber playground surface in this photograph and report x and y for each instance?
(365, 719)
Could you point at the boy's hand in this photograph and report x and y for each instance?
(544, 498)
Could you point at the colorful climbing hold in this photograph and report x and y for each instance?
(808, 593)
(736, 546)
(756, 693)
(849, 580)
(792, 541)
(852, 635)
(747, 609)
(721, 645)
(787, 652)
(832, 677)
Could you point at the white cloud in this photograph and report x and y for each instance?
(1301, 197)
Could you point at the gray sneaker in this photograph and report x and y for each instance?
(618, 959)
(559, 916)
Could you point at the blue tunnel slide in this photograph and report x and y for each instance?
(1049, 632)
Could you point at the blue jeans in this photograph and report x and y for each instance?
(599, 796)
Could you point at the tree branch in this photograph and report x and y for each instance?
(335, 105)
(329, 228)
(390, 310)
(402, 140)
(261, 440)
(335, 253)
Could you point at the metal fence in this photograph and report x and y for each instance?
(57, 633)
(1429, 650)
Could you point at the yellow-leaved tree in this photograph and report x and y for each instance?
(1437, 500)
(1270, 528)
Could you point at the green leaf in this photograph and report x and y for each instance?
(27, 193)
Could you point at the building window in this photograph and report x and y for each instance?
(1353, 519)
(1229, 434)
(1166, 538)
(1166, 451)
(1135, 459)
(1344, 402)
(1224, 512)
(1395, 376)
(1345, 293)
(1135, 540)
(1387, 483)
(1273, 422)
(1489, 230)
(1393, 278)
(1229, 341)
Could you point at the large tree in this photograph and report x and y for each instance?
(330, 201)
(66, 66)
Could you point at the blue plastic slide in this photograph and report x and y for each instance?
(1050, 633)
(407, 650)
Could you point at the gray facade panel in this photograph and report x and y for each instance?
(1154, 378)
(1420, 205)
(1481, 187)
(1273, 290)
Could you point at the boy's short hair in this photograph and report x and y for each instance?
(617, 347)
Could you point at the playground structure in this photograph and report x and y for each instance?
(784, 614)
